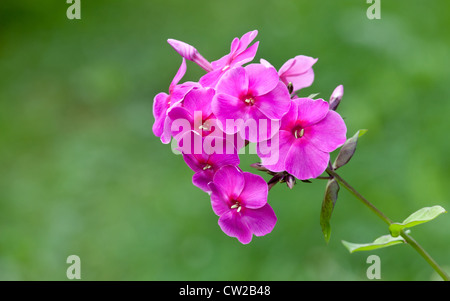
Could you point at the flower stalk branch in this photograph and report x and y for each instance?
(408, 238)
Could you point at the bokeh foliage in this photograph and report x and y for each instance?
(81, 172)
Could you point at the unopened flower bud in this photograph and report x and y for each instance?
(278, 177)
(336, 97)
(290, 181)
(290, 87)
(190, 53)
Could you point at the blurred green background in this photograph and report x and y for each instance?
(82, 173)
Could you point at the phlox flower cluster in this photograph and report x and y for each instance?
(237, 102)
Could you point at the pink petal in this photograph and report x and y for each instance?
(181, 122)
(219, 152)
(226, 107)
(166, 134)
(266, 63)
(305, 161)
(234, 45)
(275, 103)
(160, 104)
(245, 56)
(286, 66)
(289, 120)
(199, 100)
(246, 39)
(311, 111)
(219, 160)
(234, 82)
(329, 133)
(273, 153)
(223, 63)
(196, 162)
(236, 140)
(227, 156)
(254, 193)
(220, 202)
(260, 221)
(261, 80)
(181, 113)
(179, 75)
(256, 126)
(239, 53)
(211, 79)
(300, 81)
(179, 91)
(202, 178)
(230, 180)
(232, 225)
(297, 65)
(190, 143)
(298, 71)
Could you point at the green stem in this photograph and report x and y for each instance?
(425, 255)
(358, 196)
(380, 214)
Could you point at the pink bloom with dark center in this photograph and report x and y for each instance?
(297, 71)
(216, 152)
(239, 54)
(251, 93)
(197, 111)
(308, 133)
(240, 200)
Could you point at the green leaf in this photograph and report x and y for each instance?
(380, 242)
(421, 216)
(328, 203)
(347, 150)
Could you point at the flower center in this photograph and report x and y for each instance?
(299, 132)
(249, 101)
(237, 206)
(207, 166)
(203, 127)
(206, 126)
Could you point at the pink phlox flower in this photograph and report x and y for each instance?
(308, 133)
(240, 53)
(297, 71)
(254, 98)
(240, 200)
(163, 103)
(215, 153)
(195, 114)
